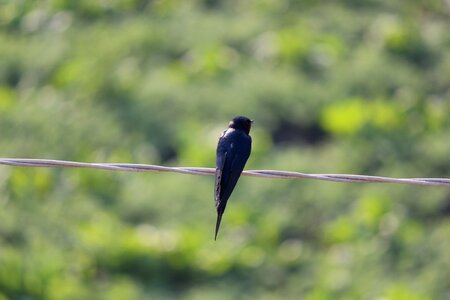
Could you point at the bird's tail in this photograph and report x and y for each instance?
(219, 218)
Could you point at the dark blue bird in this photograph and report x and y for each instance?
(232, 153)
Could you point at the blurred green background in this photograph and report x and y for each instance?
(350, 86)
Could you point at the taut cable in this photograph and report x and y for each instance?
(49, 163)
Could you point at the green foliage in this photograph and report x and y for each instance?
(334, 87)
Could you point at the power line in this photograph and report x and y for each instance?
(50, 163)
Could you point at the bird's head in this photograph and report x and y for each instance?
(241, 123)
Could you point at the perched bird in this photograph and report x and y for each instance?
(233, 150)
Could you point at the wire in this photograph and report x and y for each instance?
(49, 163)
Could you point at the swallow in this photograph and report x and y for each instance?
(233, 150)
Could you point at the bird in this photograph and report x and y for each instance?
(233, 151)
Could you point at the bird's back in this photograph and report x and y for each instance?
(233, 151)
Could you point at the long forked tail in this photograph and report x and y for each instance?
(219, 218)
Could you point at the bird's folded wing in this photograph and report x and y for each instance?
(218, 182)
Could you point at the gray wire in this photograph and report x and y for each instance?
(50, 163)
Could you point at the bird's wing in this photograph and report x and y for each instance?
(235, 157)
(232, 154)
(218, 182)
(221, 157)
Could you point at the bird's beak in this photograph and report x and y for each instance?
(252, 121)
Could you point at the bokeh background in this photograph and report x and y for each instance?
(350, 86)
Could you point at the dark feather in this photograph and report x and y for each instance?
(233, 151)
